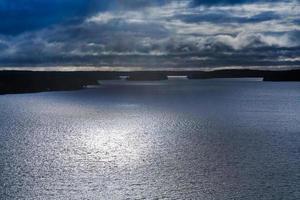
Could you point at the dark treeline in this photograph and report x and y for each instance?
(31, 81)
(37, 81)
(287, 75)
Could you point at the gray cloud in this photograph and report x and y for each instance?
(171, 34)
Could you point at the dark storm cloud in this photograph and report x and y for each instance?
(18, 16)
(144, 33)
(224, 2)
(225, 17)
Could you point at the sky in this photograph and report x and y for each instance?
(151, 34)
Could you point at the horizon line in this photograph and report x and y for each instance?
(145, 69)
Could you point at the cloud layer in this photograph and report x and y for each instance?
(151, 33)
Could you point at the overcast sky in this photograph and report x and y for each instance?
(150, 33)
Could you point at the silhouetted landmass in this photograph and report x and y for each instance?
(30, 81)
(293, 75)
(37, 81)
(289, 75)
(147, 76)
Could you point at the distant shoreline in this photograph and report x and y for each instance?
(23, 81)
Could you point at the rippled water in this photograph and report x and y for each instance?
(176, 139)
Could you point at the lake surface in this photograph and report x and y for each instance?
(177, 139)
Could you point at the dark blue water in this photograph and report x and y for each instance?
(176, 139)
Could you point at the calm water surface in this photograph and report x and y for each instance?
(176, 139)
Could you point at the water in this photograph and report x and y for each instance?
(178, 139)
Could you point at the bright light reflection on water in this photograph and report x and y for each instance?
(155, 140)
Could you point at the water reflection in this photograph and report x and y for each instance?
(172, 140)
